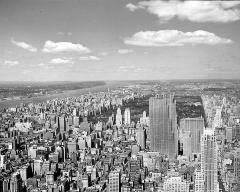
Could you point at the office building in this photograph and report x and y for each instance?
(193, 127)
(141, 137)
(175, 184)
(62, 123)
(229, 134)
(72, 146)
(209, 160)
(163, 125)
(114, 181)
(199, 180)
(119, 117)
(127, 117)
(236, 167)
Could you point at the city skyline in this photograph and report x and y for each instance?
(80, 40)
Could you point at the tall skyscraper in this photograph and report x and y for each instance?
(193, 127)
(236, 167)
(163, 125)
(127, 117)
(62, 123)
(141, 137)
(119, 117)
(114, 181)
(209, 160)
(186, 143)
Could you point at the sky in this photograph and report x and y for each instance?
(88, 40)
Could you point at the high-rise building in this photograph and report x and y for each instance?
(187, 145)
(236, 166)
(193, 127)
(81, 143)
(229, 134)
(76, 121)
(141, 137)
(16, 183)
(127, 117)
(23, 173)
(217, 120)
(62, 123)
(144, 120)
(114, 181)
(72, 146)
(209, 160)
(199, 180)
(119, 117)
(175, 184)
(3, 159)
(50, 178)
(163, 125)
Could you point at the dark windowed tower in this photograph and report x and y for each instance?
(163, 125)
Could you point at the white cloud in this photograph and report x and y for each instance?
(54, 47)
(132, 7)
(125, 51)
(24, 45)
(195, 11)
(125, 68)
(63, 33)
(41, 64)
(104, 53)
(88, 58)
(61, 61)
(11, 63)
(174, 38)
(45, 66)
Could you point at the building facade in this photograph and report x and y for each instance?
(193, 129)
(127, 116)
(114, 181)
(163, 125)
(209, 161)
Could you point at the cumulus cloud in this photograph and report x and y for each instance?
(195, 11)
(61, 61)
(174, 38)
(55, 47)
(11, 63)
(132, 7)
(89, 58)
(125, 51)
(24, 45)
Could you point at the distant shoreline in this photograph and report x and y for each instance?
(64, 94)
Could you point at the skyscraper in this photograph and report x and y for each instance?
(127, 117)
(141, 137)
(114, 182)
(119, 117)
(209, 160)
(194, 128)
(236, 167)
(62, 123)
(163, 125)
(199, 180)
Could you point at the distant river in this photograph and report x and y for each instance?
(69, 93)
